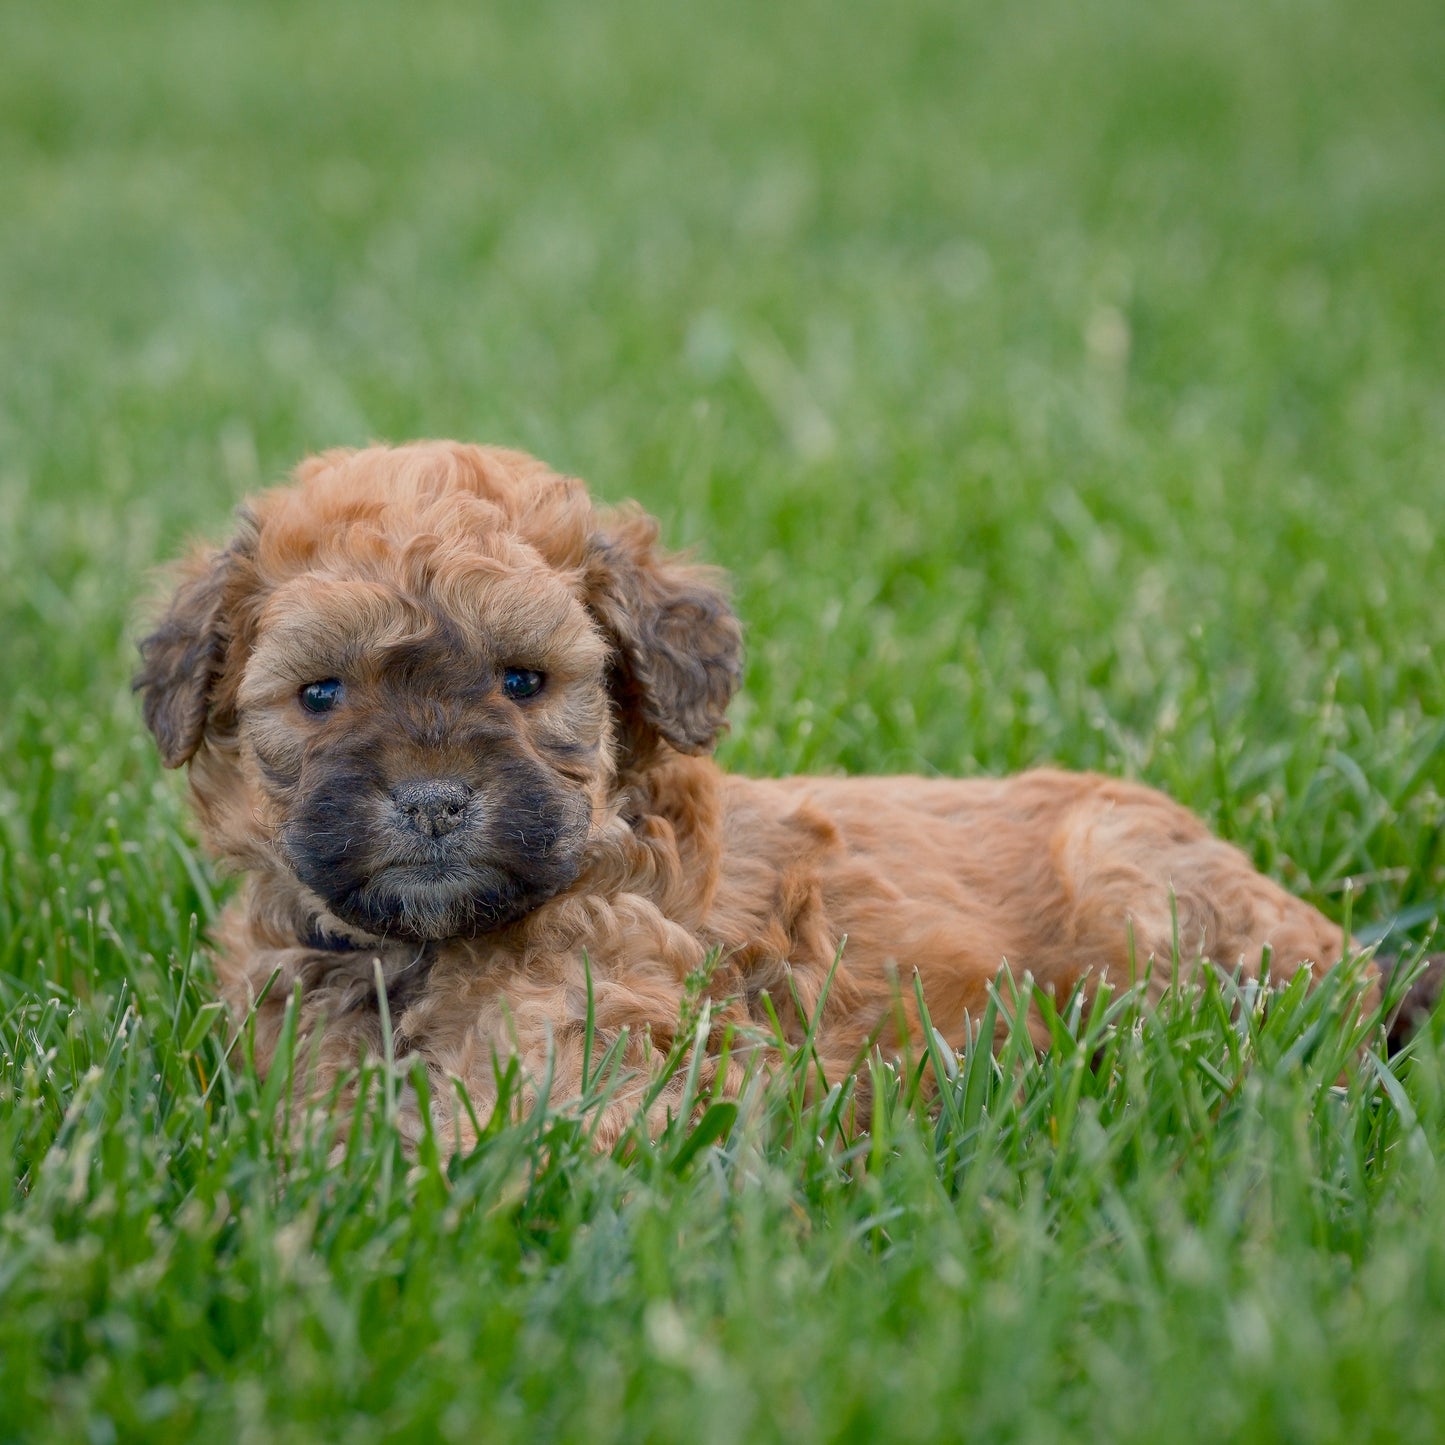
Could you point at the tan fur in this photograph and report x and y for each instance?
(413, 575)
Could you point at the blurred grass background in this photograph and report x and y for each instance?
(1060, 382)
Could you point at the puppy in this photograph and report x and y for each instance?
(451, 720)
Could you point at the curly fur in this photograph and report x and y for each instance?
(596, 833)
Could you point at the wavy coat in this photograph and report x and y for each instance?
(347, 682)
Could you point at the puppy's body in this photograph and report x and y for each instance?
(448, 716)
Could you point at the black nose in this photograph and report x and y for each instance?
(433, 806)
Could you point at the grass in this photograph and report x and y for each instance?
(1059, 382)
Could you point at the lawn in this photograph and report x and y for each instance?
(1061, 382)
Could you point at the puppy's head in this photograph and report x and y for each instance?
(414, 680)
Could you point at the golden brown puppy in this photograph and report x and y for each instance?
(448, 715)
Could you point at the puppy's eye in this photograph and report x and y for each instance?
(520, 682)
(321, 696)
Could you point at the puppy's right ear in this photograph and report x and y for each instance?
(678, 646)
(183, 657)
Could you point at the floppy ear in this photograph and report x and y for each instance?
(183, 657)
(678, 644)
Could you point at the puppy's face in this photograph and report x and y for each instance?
(412, 681)
(432, 763)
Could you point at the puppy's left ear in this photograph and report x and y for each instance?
(678, 644)
(183, 658)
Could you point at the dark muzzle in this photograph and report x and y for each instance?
(433, 807)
